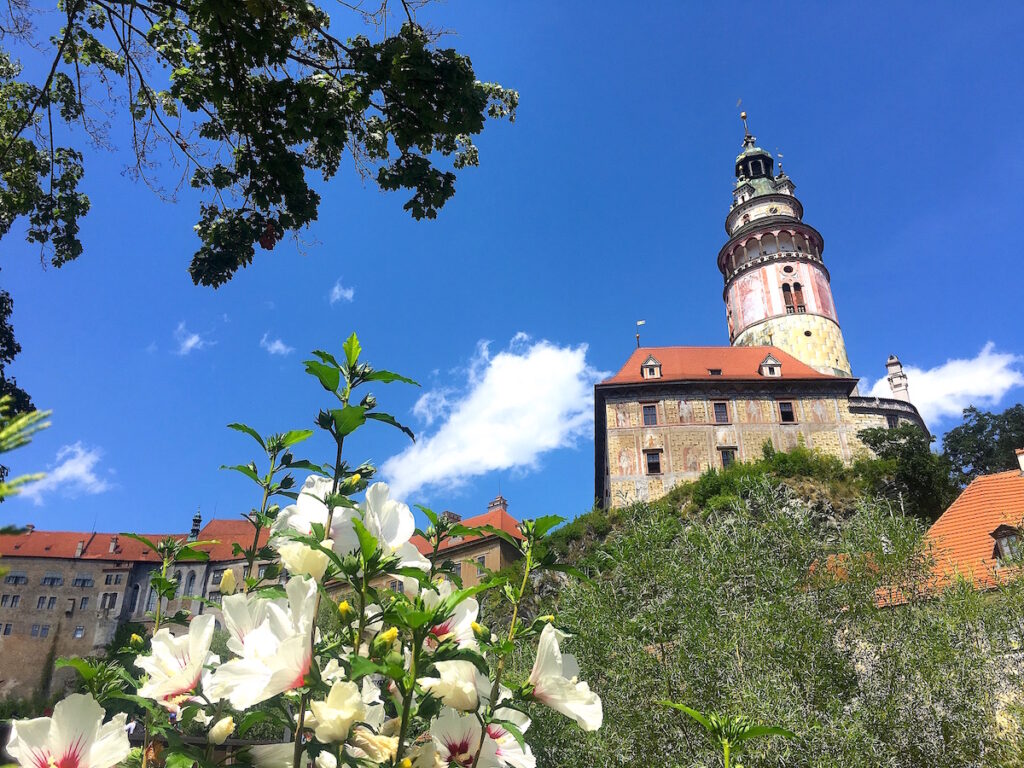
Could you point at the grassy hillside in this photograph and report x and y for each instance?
(714, 597)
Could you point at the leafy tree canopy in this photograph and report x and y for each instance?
(249, 99)
(920, 478)
(985, 443)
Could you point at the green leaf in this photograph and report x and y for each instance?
(693, 713)
(246, 470)
(387, 377)
(178, 760)
(141, 539)
(295, 436)
(326, 357)
(764, 730)
(187, 553)
(329, 377)
(238, 427)
(544, 524)
(250, 720)
(362, 666)
(387, 418)
(348, 419)
(85, 669)
(503, 535)
(431, 514)
(367, 542)
(352, 349)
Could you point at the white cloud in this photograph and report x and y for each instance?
(73, 473)
(275, 346)
(944, 391)
(516, 405)
(341, 293)
(188, 341)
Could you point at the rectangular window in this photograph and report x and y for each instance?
(53, 580)
(721, 413)
(82, 580)
(262, 571)
(35, 630)
(786, 413)
(41, 603)
(109, 579)
(79, 632)
(801, 309)
(16, 577)
(789, 309)
(728, 456)
(44, 630)
(15, 599)
(482, 561)
(457, 569)
(84, 604)
(650, 415)
(714, 371)
(51, 603)
(5, 601)
(653, 459)
(215, 597)
(8, 628)
(892, 421)
(117, 578)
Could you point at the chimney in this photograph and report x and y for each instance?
(113, 544)
(452, 517)
(197, 521)
(1020, 459)
(29, 527)
(498, 502)
(897, 379)
(78, 548)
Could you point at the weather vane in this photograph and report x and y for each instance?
(638, 324)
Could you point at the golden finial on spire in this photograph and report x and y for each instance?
(743, 117)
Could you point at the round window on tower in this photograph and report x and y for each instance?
(788, 269)
(774, 209)
(807, 333)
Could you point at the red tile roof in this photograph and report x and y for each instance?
(97, 546)
(694, 363)
(498, 517)
(962, 535)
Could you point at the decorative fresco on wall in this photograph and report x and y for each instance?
(752, 303)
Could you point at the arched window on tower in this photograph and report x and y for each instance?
(190, 584)
(787, 296)
(177, 584)
(798, 295)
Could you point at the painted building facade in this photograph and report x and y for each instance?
(672, 413)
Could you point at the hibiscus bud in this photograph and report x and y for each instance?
(345, 610)
(546, 619)
(222, 728)
(383, 641)
(482, 633)
(136, 641)
(227, 583)
(406, 763)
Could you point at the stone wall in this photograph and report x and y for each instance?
(811, 339)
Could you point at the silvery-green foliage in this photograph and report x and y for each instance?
(770, 609)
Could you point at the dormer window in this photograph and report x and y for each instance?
(770, 367)
(1007, 548)
(714, 371)
(651, 368)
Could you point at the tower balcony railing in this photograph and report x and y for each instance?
(766, 258)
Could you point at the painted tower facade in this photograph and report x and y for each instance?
(777, 289)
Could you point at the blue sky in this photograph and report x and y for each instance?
(603, 204)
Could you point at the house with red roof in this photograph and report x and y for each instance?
(979, 537)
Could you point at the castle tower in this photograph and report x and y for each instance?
(777, 289)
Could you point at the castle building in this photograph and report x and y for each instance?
(672, 413)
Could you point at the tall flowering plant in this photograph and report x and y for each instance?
(409, 676)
